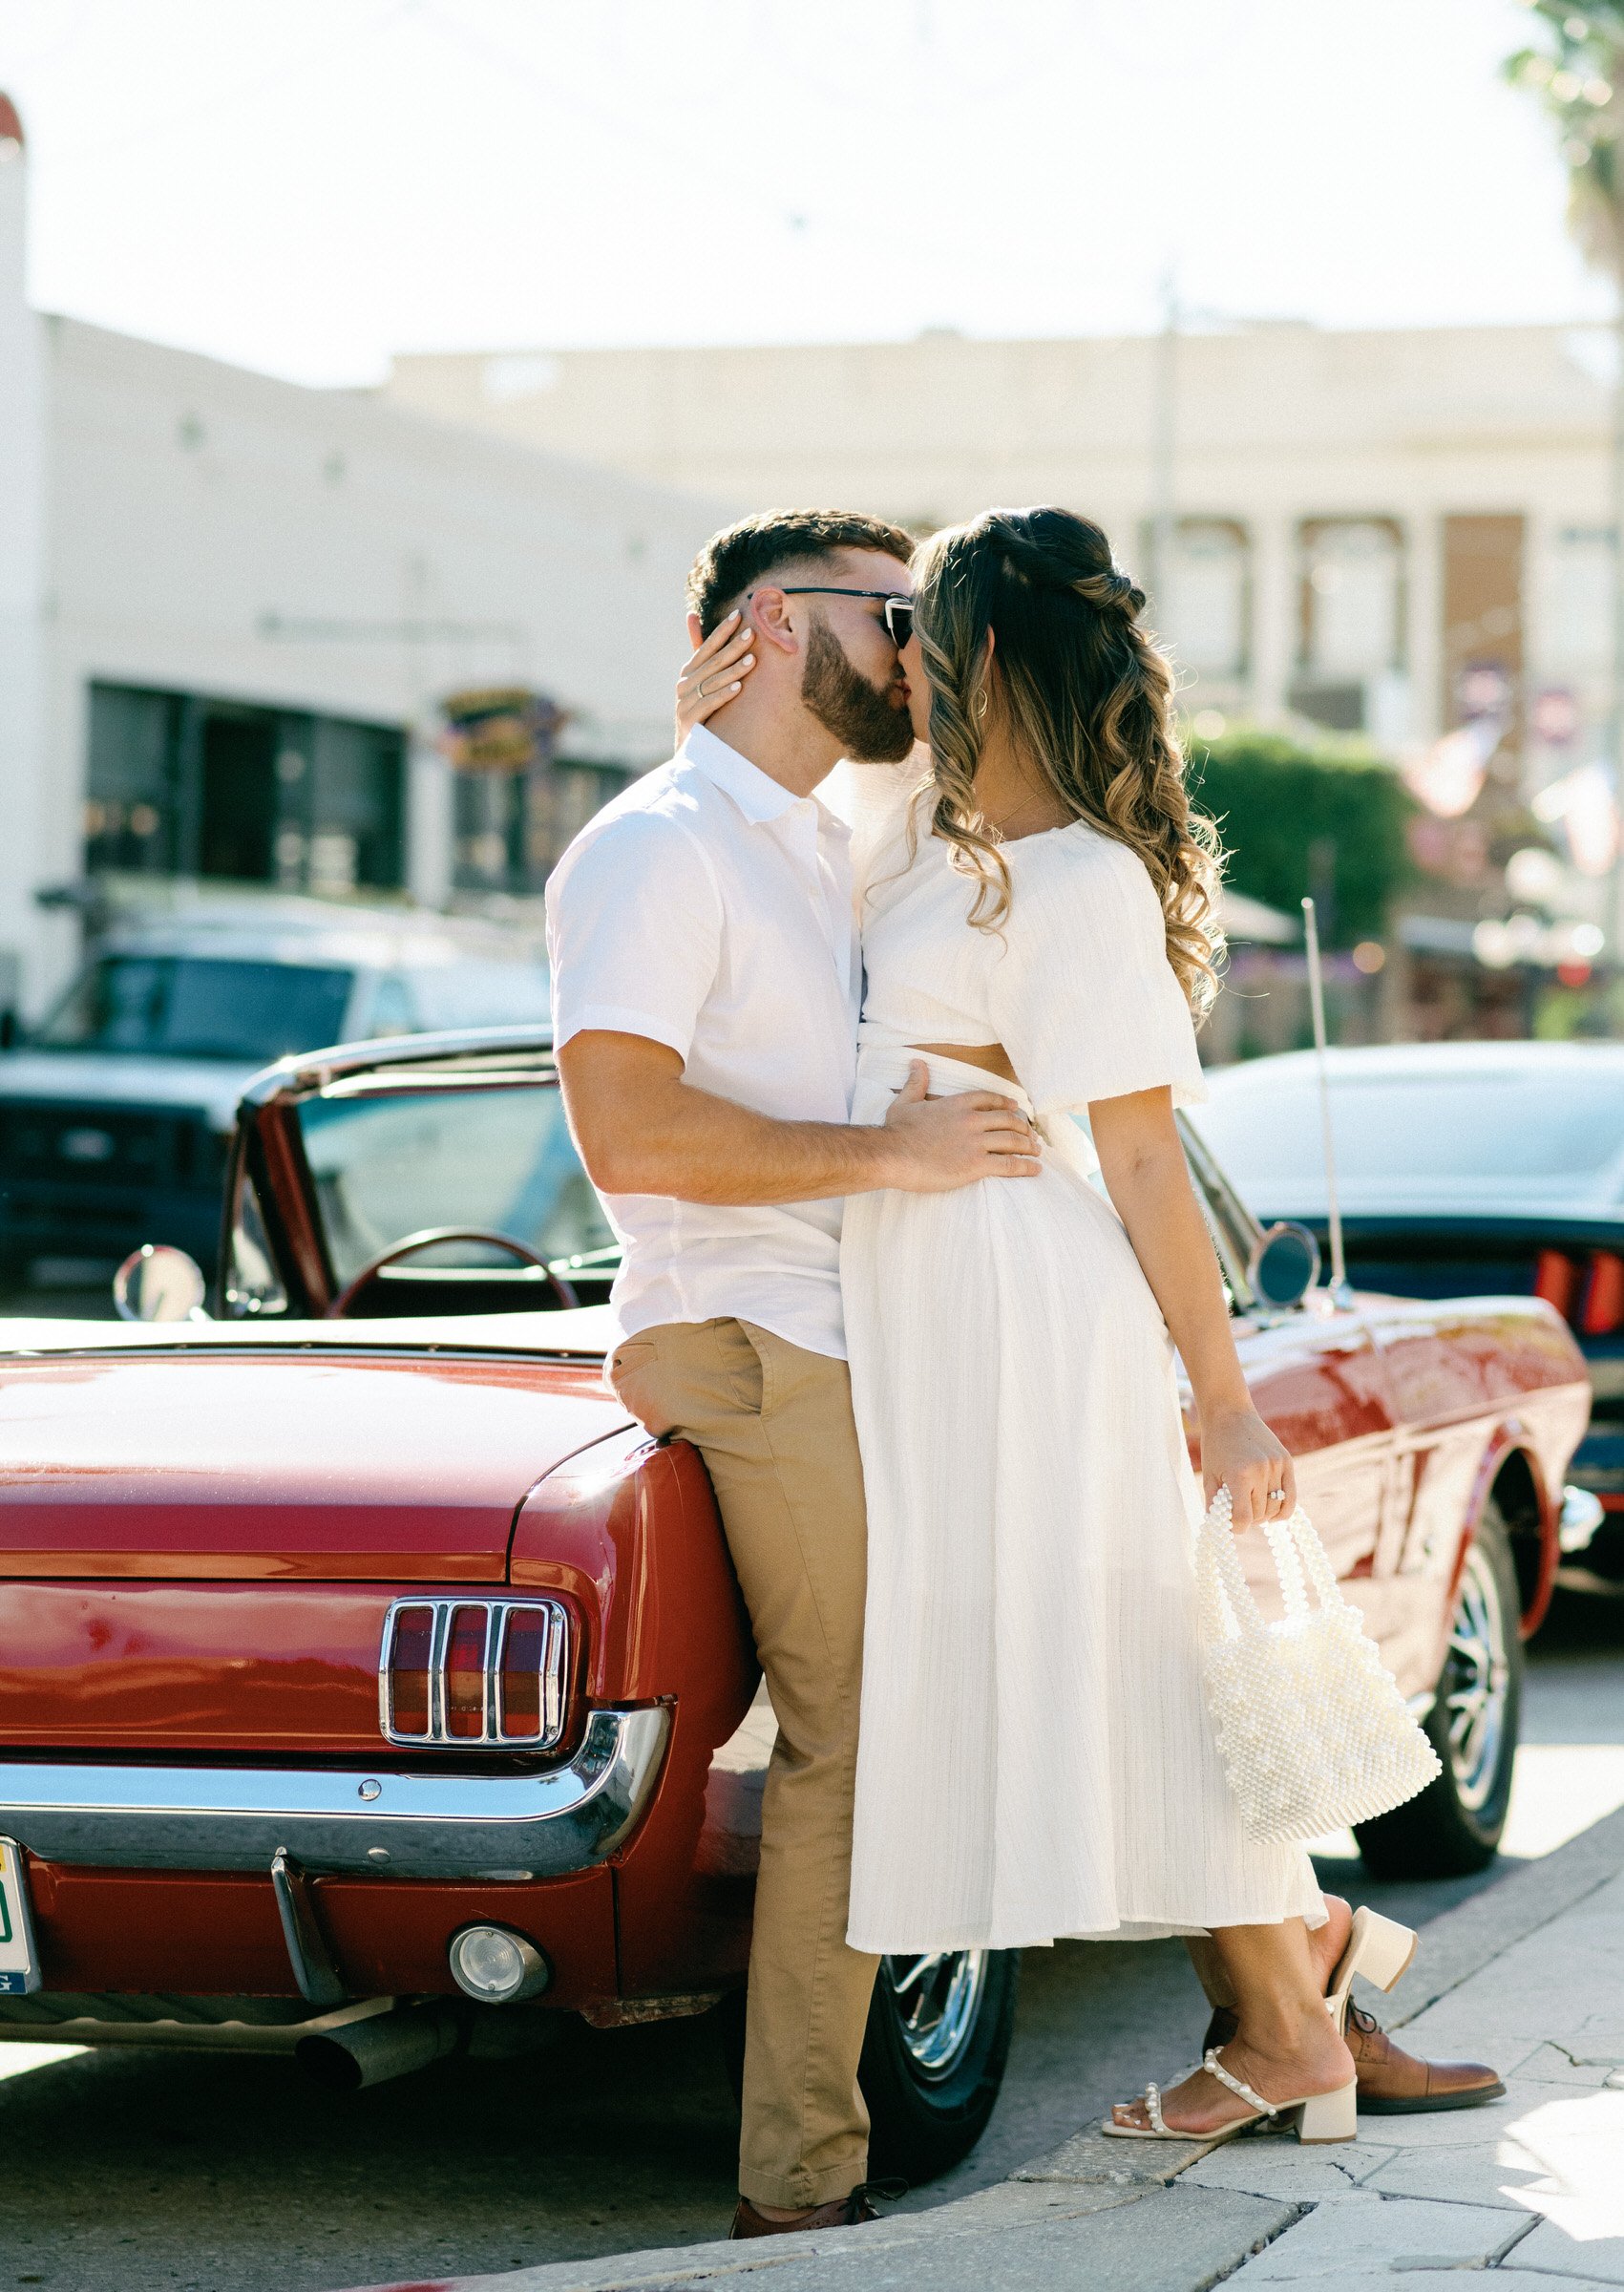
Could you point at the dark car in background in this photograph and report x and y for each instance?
(117, 1112)
(1486, 1167)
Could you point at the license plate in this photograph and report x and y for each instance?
(19, 1960)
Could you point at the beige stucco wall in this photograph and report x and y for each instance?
(1273, 426)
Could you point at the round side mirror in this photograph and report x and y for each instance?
(158, 1284)
(1284, 1264)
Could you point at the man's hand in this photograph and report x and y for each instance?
(944, 1144)
(643, 1129)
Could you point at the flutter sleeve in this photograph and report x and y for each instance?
(1081, 994)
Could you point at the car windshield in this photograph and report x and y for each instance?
(498, 1157)
(199, 1007)
(1422, 1130)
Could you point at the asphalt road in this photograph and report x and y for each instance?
(190, 2173)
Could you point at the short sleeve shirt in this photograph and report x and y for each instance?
(710, 909)
(1074, 982)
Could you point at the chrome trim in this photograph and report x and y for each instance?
(1476, 1686)
(307, 1951)
(498, 1617)
(415, 1826)
(1582, 1513)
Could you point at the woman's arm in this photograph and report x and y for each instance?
(1142, 1158)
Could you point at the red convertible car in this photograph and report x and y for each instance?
(372, 1688)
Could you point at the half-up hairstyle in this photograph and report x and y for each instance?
(1084, 695)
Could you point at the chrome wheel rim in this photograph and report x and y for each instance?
(1477, 1677)
(937, 1999)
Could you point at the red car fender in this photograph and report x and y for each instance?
(628, 1529)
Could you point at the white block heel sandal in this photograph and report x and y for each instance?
(1380, 1949)
(1316, 2117)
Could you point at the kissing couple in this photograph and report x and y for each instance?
(824, 1080)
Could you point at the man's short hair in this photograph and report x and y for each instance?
(738, 559)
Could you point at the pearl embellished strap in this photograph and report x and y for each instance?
(1153, 2108)
(1237, 2085)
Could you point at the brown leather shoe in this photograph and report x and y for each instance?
(1391, 2082)
(844, 2211)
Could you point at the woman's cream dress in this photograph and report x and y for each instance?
(1036, 1758)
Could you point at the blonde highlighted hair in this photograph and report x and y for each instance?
(1086, 699)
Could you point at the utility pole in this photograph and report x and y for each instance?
(1164, 444)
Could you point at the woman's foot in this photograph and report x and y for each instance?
(1318, 2063)
(1326, 1943)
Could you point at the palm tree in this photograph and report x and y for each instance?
(1577, 73)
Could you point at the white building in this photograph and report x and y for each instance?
(230, 609)
(1380, 531)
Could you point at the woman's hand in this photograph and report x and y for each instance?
(714, 673)
(1240, 1451)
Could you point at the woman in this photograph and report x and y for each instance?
(1037, 1758)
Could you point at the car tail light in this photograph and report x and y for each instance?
(409, 1655)
(453, 1672)
(1556, 1278)
(1601, 1308)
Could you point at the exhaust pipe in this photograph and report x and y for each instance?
(387, 2045)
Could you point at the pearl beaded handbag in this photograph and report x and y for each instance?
(1312, 1728)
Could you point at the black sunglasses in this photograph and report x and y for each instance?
(898, 611)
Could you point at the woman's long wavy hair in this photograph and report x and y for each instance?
(1084, 695)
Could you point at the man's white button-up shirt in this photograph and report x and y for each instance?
(709, 910)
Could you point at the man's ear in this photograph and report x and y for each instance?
(769, 616)
(696, 632)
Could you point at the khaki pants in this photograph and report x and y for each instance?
(773, 1423)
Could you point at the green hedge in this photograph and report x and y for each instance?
(1297, 820)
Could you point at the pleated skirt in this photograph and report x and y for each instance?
(1036, 1759)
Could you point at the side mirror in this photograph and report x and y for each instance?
(159, 1284)
(1284, 1266)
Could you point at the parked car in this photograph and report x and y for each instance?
(1465, 1166)
(374, 1688)
(116, 1114)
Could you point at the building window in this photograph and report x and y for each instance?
(513, 827)
(182, 784)
(1208, 587)
(1351, 617)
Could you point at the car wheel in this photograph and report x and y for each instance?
(1454, 1826)
(937, 2040)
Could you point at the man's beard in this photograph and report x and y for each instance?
(871, 726)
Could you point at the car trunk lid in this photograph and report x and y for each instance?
(280, 1464)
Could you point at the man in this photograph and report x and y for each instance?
(706, 979)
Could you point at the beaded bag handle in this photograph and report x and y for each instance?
(1301, 1561)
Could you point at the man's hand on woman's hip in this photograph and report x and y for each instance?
(939, 1144)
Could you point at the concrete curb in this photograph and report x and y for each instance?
(1093, 2210)
(1462, 1940)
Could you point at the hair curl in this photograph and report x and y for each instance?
(1086, 698)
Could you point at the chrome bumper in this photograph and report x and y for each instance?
(1580, 1518)
(378, 1825)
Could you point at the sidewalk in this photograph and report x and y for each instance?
(1529, 1975)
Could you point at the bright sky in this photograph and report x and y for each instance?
(309, 186)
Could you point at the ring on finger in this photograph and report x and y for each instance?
(1277, 1496)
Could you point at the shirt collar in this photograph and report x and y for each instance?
(756, 795)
